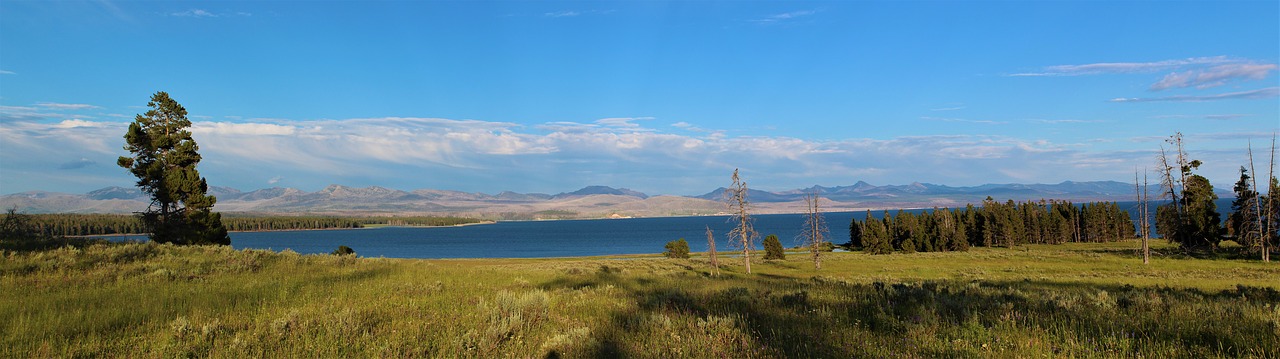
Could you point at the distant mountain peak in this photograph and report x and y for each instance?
(596, 189)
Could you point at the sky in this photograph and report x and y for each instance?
(660, 97)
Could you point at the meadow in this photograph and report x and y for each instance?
(1072, 300)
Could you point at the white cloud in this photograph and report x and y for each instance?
(228, 128)
(411, 153)
(66, 106)
(74, 123)
(7, 72)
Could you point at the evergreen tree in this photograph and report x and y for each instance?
(773, 248)
(1243, 220)
(164, 160)
(875, 238)
(855, 234)
(1204, 222)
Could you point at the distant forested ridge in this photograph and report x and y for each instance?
(994, 224)
(108, 224)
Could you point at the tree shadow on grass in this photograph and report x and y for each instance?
(780, 316)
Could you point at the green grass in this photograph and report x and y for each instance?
(1075, 300)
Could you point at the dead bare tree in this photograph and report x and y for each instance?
(1269, 229)
(1169, 185)
(815, 231)
(744, 232)
(1257, 206)
(711, 252)
(1143, 216)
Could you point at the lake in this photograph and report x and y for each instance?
(560, 238)
(547, 239)
(536, 239)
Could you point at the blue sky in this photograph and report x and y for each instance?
(661, 97)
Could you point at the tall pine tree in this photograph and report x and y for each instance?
(164, 158)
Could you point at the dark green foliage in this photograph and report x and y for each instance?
(855, 234)
(677, 249)
(994, 224)
(1272, 225)
(344, 251)
(1204, 222)
(164, 160)
(875, 238)
(773, 248)
(17, 230)
(66, 224)
(1193, 220)
(1242, 224)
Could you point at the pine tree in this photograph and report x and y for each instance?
(164, 160)
(875, 238)
(773, 248)
(1244, 217)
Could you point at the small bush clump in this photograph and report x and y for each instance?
(677, 249)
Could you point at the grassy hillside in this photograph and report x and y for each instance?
(145, 300)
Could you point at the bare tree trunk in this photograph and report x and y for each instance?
(1168, 182)
(711, 252)
(1144, 227)
(815, 229)
(744, 232)
(1271, 197)
(1257, 210)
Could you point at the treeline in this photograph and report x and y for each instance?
(994, 224)
(108, 224)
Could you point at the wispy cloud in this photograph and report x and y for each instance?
(1214, 76)
(202, 13)
(7, 72)
(1230, 116)
(66, 106)
(786, 16)
(1270, 92)
(193, 13)
(953, 108)
(1197, 72)
(1066, 121)
(274, 180)
(576, 13)
(963, 120)
(1125, 67)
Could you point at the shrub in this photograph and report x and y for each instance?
(677, 249)
(344, 251)
(773, 248)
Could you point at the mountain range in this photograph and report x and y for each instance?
(588, 202)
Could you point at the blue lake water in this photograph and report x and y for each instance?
(535, 239)
(563, 238)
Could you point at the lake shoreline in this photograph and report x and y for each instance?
(296, 230)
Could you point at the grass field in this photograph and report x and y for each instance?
(1075, 300)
